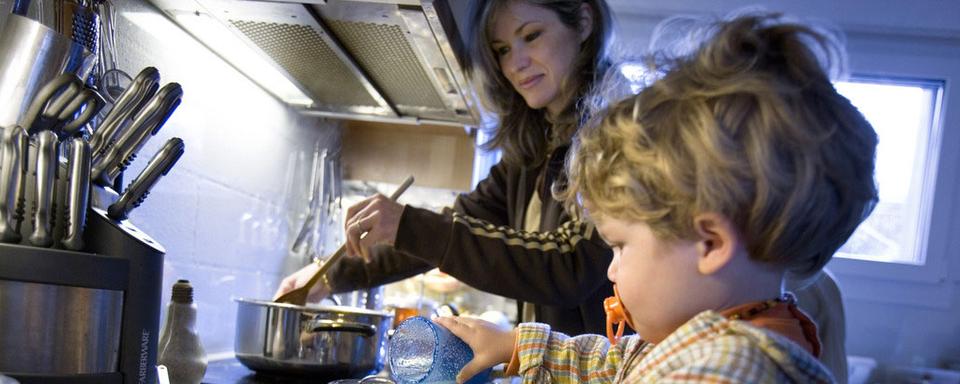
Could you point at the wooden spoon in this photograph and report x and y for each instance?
(298, 296)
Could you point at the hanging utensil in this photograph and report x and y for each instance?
(298, 296)
(86, 27)
(333, 202)
(316, 190)
(20, 7)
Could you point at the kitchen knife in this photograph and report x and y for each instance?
(159, 165)
(143, 87)
(43, 200)
(145, 124)
(78, 193)
(11, 183)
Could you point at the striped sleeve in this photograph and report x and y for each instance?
(562, 239)
(552, 357)
(562, 267)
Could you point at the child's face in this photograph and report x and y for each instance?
(657, 280)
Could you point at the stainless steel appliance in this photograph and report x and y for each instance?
(392, 60)
(82, 335)
(82, 317)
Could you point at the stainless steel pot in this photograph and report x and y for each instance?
(325, 342)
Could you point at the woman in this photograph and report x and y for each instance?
(535, 59)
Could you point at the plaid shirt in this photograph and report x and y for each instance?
(709, 347)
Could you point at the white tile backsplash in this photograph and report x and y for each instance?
(225, 212)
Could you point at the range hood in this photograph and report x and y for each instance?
(389, 60)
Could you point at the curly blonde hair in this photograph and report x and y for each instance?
(748, 126)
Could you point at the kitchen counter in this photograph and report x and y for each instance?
(230, 371)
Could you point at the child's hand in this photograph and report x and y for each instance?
(490, 344)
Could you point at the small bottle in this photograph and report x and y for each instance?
(180, 349)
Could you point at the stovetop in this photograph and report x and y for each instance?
(231, 371)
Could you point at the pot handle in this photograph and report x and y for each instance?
(329, 325)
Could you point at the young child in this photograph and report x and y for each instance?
(741, 165)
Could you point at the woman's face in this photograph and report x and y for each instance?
(657, 280)
(536, 52)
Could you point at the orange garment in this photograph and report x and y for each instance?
(784, 318)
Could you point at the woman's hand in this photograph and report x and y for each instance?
(379, 217)
(299, 278)
(491, 345)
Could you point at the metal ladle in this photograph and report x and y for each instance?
(298, 296)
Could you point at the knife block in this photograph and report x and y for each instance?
(117, 257)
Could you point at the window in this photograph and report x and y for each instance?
(903, 113)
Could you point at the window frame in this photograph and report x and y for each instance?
(884, 56)
(932, 148)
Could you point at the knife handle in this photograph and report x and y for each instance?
(145, 124)
(11, 183)
(55, 89)
(43, 200)
(139, 188)
(78, 194)
(22, 187)
(141, 89)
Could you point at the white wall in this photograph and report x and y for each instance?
(222, 213)
(898, 315)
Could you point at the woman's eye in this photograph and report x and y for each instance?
(532, 36)
(500, 51)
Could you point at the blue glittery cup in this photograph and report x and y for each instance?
(424, 352)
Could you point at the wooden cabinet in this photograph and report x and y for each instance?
(438, 156)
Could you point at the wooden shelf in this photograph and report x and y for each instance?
(438, 156)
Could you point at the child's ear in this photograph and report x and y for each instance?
(718, 242)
